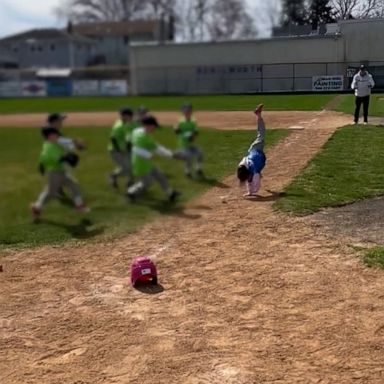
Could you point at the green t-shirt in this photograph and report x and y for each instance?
(186, 130)
(131, 127)
(50, 157)
(141, 140)
(119, 133)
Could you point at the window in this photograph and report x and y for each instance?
(126, 40)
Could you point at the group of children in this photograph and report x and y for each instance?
(133, 149)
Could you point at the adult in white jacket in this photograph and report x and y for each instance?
(362, 84)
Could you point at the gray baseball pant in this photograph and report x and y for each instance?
(193, 154)
(146, 181)
(124, 164)
(56, 181)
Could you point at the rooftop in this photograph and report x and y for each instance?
(46, 34)
(122, 28)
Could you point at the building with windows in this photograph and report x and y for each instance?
(7, 59)
(49, 48)
(82, 45)
(114, 38)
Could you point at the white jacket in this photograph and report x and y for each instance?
(362, 85)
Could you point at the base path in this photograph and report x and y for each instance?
(250, 296)
(220, 120)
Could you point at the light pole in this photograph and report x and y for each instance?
(71, 53)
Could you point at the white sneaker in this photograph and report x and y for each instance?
(365, 123)
(83, 209)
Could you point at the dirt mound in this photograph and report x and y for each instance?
(360, 222)
(248, 296)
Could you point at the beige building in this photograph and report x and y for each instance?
(304, 63)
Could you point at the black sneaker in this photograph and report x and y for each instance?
(173, 196)
(131, 196)
(200, 174)
(129, 184)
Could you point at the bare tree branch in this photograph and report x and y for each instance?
(100, 10)
(230, 20)
(345, 9)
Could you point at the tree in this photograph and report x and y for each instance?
(294, 12)
(271, 11)
(320, 12)
(158, 9)
(193, 19)
(100, 10)
(230, 20)
(345, 9)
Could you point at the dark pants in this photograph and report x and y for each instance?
(365, 101)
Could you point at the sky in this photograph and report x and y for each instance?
(20, 15)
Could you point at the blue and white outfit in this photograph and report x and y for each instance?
(255, 160)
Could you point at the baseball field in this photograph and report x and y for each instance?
(285, 288)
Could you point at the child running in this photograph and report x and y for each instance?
(144, 148)
(250, 168)
(56, 121)
(186, 130)
(141, 113)
(120, 148)
(53, 160)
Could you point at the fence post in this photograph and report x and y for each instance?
(294, 77)
(262, 77)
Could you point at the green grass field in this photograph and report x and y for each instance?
(347, 104)
(374, 257)
(349, 168)
(112, 214)
(219, 103)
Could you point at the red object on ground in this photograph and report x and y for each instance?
(143, 270)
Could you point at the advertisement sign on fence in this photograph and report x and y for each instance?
(113, 88)
(34, 88)
(59, 87)
(351, 71)
(10, 89)
(328, 83)
(85, 88)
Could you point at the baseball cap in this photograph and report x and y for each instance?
(46, 131)
(187, 107)
(54, 117)
(142, 110)
(150, 120)
(126, 111)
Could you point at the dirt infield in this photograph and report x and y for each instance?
(248, 296)
(220, 120)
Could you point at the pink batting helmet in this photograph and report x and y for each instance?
(143, 270)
